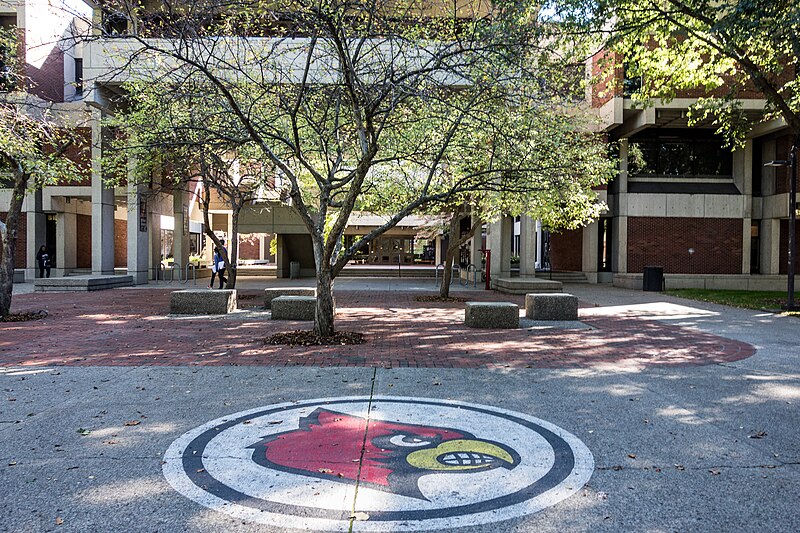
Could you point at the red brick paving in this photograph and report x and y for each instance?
(128, 328)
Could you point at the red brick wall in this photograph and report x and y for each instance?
(784, 250)
(20, 255)
(80, 153)
(665, 242)
(120, 243)
(566, 250)
(48, 81)
(250, 245)
(83, 247)
(601, 91)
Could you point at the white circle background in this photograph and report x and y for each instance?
(228, 459)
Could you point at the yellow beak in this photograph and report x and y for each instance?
(461, 455)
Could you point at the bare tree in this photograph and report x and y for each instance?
(338, 96)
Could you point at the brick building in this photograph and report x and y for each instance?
(711, 217)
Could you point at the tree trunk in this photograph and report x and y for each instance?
(447, 276)
(453, 244)
(325, 312)
(8, 237)
(231, 260)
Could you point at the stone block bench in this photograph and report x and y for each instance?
(551, 306)
(293, 307)
(498, 315)
(202, 302)
(81, 283)
(275, 292)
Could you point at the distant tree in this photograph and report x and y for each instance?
(32, 144)
(175, 136)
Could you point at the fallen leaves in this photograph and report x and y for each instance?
(132, 423)
(83, 432)
(758, 435)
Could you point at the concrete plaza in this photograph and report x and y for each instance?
(688, 409)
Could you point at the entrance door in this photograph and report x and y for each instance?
(50, 239)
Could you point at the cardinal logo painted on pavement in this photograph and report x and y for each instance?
(378, 464)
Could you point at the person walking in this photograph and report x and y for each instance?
(220, 258)
(217, 269)
(43, 258)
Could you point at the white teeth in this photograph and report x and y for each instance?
(466, 459)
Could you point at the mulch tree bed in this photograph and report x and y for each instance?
(439, 299)
(24, 317)
(308, 338)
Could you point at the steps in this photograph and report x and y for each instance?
(564, 276)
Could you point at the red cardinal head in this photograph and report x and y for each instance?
(329, 445)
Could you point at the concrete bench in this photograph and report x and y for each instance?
(293, 307)
(499, 315)
(271, 294)
(551, 306)
(81, 283)
(202, 302)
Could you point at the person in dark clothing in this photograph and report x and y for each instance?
(220, 260)
(43, 258)
(217, 269)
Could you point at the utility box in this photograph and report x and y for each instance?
(653, 279)
(294, 269)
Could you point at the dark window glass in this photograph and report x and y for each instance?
(78, 75)
(114, 24)
(630, 81)
(675, 157)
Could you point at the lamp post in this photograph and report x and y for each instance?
(792, 164)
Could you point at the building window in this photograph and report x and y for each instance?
(673, 156)
(631, 83)
(114, 24)
(78, 75)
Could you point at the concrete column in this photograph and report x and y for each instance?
(102, 206)
(746, 244)
(527, 247)
(66, 243)
(770, 237)
(180, 234)
(138, 231)
(622, 177)
(438, 250)
(590, 256)
(154, 234)
(620, 245)
(499, 243)
(36, 232)
(281, 259)
(475, 249)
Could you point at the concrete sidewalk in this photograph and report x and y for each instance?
(694, 444)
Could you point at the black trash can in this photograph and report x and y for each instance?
(653, 279)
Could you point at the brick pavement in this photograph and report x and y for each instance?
(128, 328)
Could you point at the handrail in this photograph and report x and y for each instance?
(474, 275)
(172, 272)
(194, 273)
(436, 273)
(456, 268)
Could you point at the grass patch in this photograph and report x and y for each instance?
(763, 300)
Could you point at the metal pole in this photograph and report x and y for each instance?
(790, 305)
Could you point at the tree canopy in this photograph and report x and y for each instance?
(728, 49)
